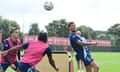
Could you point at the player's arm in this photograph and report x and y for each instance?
(80, 42)
(18, 47)
(11, 49)
(85, 43)
(50, 58)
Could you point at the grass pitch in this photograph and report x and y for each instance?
(108, 61)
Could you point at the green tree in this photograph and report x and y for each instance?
(57, 28)
(102, 35)
(34, 30)
(115, 32)
(87, 32)
(5, 26)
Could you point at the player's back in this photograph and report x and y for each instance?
(34, 52)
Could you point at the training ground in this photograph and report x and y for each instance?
(108, 62)
(62, 60)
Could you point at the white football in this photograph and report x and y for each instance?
(48, 5)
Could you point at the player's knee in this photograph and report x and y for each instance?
(96, 68)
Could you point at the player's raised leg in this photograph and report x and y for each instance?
(95, 66)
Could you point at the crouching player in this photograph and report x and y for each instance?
(35, 51)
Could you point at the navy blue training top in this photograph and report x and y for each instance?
(73, 37)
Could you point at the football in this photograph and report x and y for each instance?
(48, 5)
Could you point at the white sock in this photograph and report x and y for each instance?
(78, 70)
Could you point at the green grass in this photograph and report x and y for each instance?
(10, 70)
(108, 61)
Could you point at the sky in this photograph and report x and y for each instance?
(97, 14)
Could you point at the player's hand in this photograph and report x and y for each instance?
(13, 66)
(93, 43)
(57, 68)
(3, 53)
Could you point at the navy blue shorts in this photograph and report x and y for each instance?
(85, 57)
(5, 66)
(24, 67)
(1, 66)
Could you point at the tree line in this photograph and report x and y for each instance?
(60, 28)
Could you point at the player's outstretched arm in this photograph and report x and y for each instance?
(11, 49)
(86, 43)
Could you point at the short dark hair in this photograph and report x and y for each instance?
(70, 23)
(43, 37)
(13, 29)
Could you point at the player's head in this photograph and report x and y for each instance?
(43, 37)
(14, 32)
(71, 26)
(78, 32)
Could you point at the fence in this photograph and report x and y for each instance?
(61, 43)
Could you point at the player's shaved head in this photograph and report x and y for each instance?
(43, 37)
